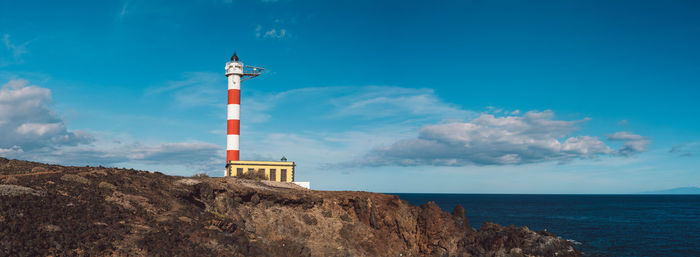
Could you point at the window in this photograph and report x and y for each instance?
(251, 170)
(239, 171)
(283, 175)
(262, 172)
(273, 174)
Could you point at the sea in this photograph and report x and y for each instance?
(599, 225)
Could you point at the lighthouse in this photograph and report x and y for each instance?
(281, 171)
(235, 72)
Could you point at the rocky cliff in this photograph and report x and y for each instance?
(95, 211)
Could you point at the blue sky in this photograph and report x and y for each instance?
(386, 96)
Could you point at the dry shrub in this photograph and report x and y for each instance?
(10, 180)
(253, 176)
(100, 172)
(106, 185)
(39, 169)
(188, 181)
(75, 178)
(50, 228)
(128, 201)
(200, 175)
(14, 190)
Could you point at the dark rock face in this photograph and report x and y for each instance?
(95, 211)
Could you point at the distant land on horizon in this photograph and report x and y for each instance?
(677, 191)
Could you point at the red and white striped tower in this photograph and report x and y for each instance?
(236, 72)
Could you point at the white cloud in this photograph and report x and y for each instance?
(131, 7)
(31, 130)
(585, 146)
(632, 143)
(12, 151)
(40, 129)
(191, 154)
(273, 33)
(381, 102)
(180, 158)
(625, 136)
(387, 103)
(194, 89)
(685, 149)
(124, 9)
(316, 151)
(490, 140)
(189, 79)
(341, 124)
(28, 123)
(16, 50)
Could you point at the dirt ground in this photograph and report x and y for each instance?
(52, 210)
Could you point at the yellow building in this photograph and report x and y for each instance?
(274, 171)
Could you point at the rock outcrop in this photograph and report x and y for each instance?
(96, 211)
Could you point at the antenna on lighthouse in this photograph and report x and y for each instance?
(236, 72)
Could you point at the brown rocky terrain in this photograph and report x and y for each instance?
(95, 211)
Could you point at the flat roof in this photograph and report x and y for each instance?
(261, 163)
